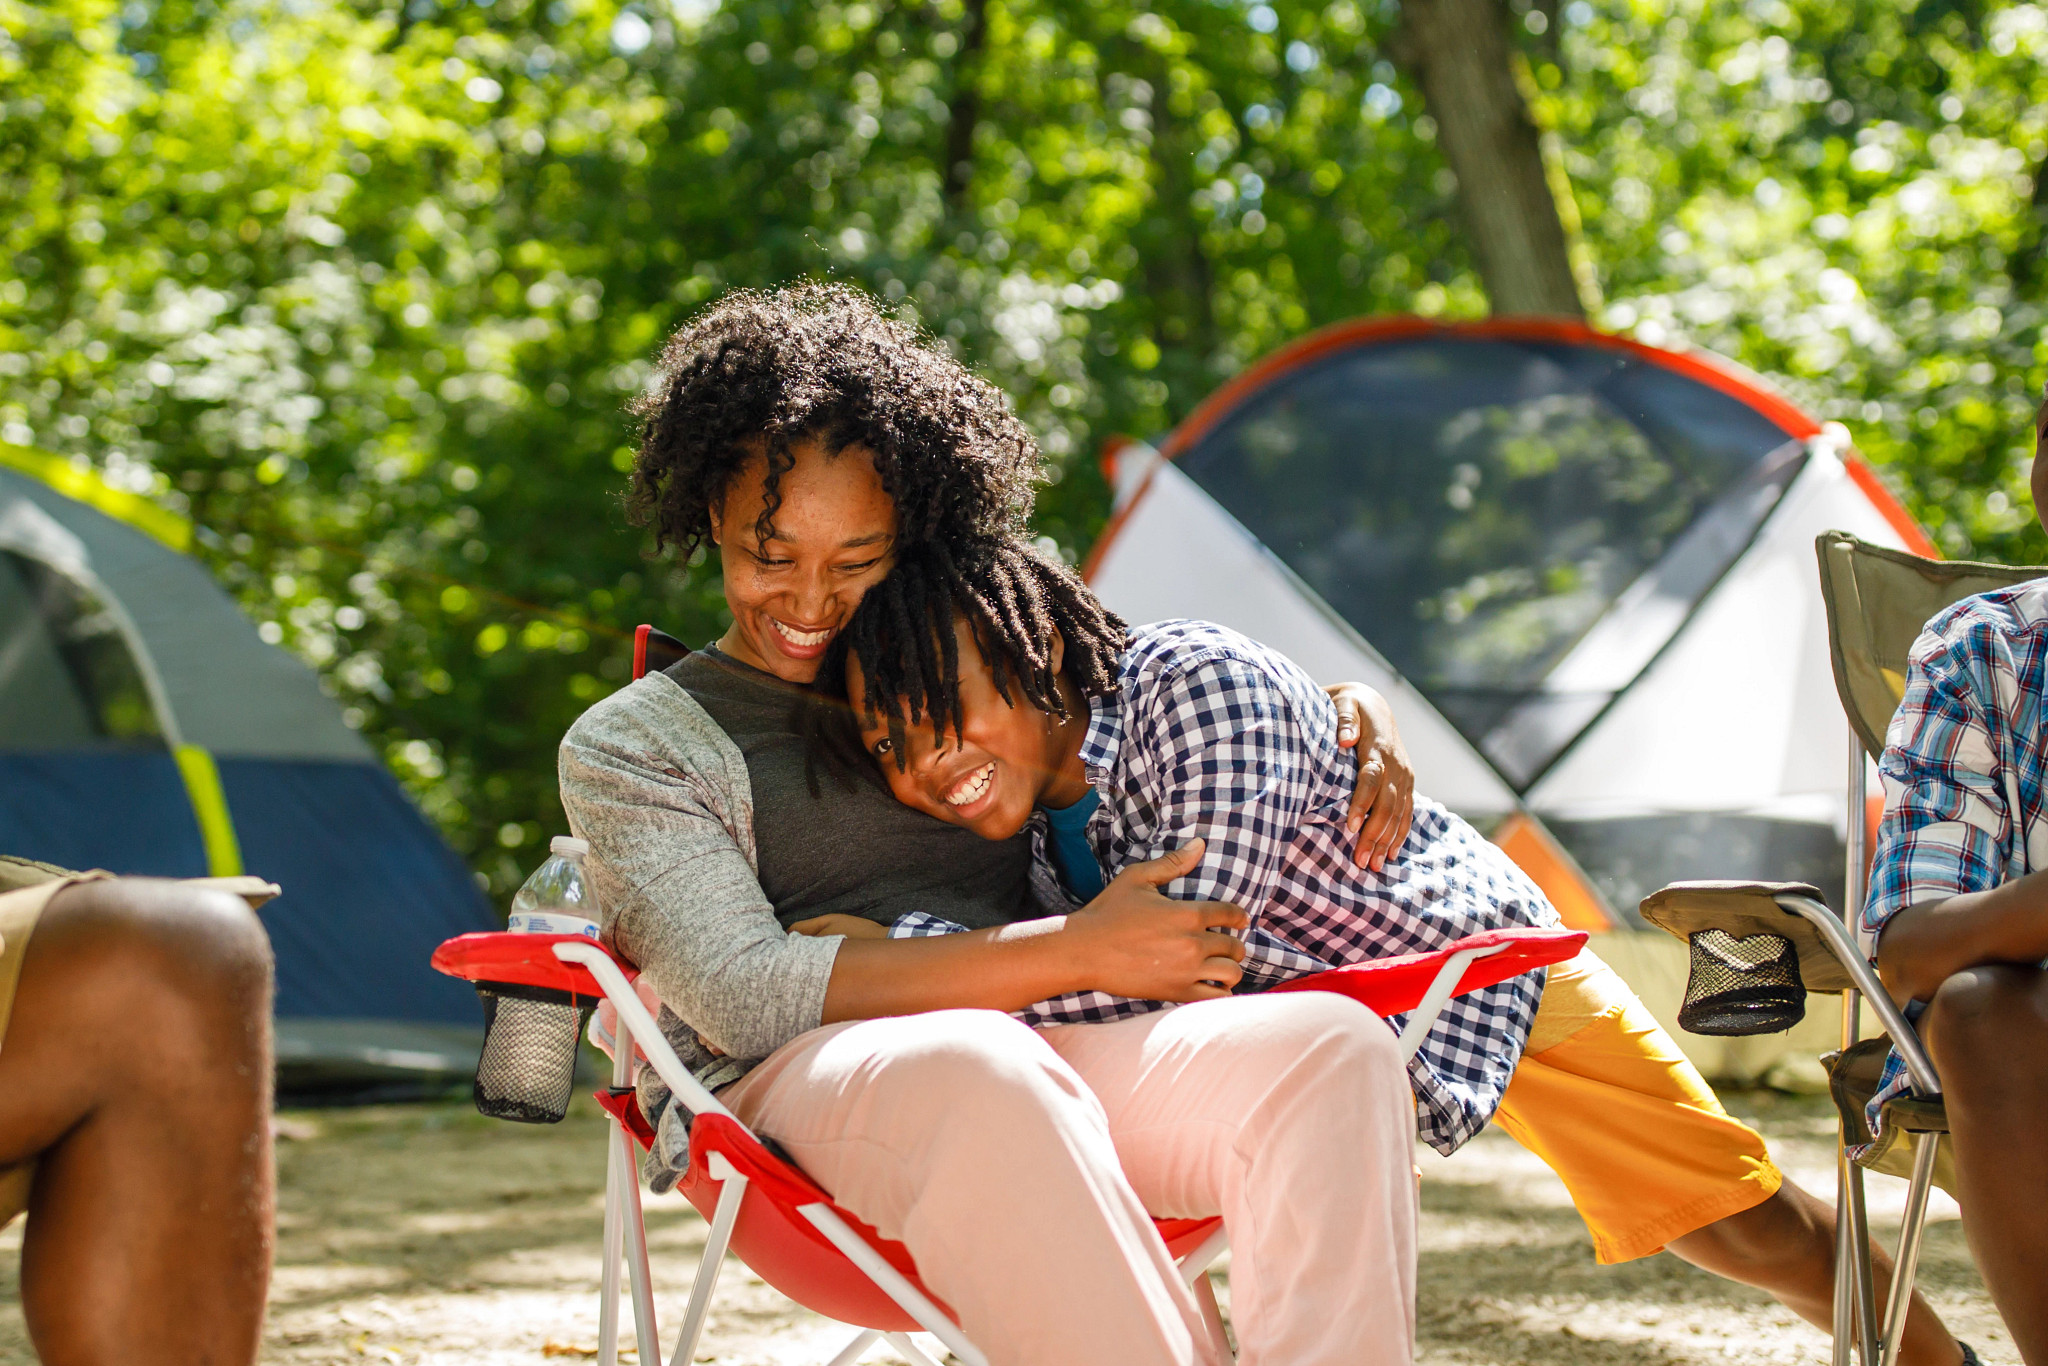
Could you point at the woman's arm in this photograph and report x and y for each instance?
(1129, 941)
(645, 783)
(647, 779)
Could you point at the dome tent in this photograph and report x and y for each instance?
(146, 728)
(1581, 568)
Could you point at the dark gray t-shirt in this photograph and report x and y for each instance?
(854, 852)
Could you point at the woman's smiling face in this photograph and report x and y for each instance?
(829, 541)
(991, 774)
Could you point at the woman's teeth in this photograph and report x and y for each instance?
(970, 791)
(803, 638)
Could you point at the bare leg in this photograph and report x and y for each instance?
(1988, 1030)
(137, 1071)
(1786, 1248)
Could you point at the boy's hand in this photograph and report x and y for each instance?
(1383, 802)
(1133, 941)
(852, 926)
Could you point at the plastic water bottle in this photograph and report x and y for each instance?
(531, 1034)
(557, 899)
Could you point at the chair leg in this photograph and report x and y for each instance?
(1212, 1314)
(908, 1349)
(614, 1242)
(894, 1283)
(1862, 1275)
(730, 1193)
(1204, 1256)
(1926, 1147)
(1855, 1319)
(858, 1348)
(634, 1218)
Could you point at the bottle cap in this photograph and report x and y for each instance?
(568, 846)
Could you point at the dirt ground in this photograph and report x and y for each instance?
(427, 1234)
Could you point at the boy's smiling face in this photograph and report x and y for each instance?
(990, 775)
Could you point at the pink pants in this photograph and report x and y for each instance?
(1020, 1168)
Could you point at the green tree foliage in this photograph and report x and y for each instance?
(363, 289)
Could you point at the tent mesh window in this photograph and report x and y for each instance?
(1518, 527)
(69, 678)
(527, 1070)
(1749, 985)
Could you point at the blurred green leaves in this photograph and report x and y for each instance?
(362, 288)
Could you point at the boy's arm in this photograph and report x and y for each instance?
(1936, 905)
(1218, 753)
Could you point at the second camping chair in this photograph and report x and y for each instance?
(1758, 947)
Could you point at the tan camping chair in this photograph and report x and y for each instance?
(1759, 947)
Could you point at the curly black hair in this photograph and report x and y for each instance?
(760, 370)
(1013, 598)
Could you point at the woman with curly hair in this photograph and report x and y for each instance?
(805, 437)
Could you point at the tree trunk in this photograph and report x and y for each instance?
(1458, 52)
(965, 110)
(2024, 267)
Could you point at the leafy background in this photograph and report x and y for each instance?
(362, 289)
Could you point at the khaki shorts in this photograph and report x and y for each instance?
(1605, 1098)
(19, 911)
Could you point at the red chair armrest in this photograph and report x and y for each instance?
(525, 959)
(1392, 986)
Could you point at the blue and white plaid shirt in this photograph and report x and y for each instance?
(1211, 735)
(1965, 768)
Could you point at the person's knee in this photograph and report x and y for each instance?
(201, 949)
(1323, 1031)
(1989, 1019)
(984, 1063)
(1782, 1228)
(1325, 1062)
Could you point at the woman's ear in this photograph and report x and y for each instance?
(714, 512)
(1059, 651)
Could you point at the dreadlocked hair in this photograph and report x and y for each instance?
(1014, 600)
(762, 370)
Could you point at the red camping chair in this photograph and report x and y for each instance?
(780, 1222)
(785, 1227)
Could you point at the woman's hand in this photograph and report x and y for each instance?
(851, 926)
(1129, 941)
(1133, 941)
(1383, 802)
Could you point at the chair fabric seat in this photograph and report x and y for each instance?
(1853, 1076)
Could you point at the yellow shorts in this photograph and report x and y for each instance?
(1605, 1098)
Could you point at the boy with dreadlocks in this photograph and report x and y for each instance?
(994, 691)
(1134, 742)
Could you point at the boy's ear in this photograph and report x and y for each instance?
(1059, 651)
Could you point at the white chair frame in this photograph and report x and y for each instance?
(625, 1230)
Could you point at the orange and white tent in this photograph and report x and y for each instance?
(1581, 567)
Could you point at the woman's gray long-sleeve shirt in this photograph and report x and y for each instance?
(662, 795)
(665, 797)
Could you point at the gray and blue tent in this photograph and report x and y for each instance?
(146, 728)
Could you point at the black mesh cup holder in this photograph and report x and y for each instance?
(1749, 985)
(531, 1037)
